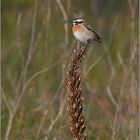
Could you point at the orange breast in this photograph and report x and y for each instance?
(76, 28)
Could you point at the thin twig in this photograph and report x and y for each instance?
(24, 76)
(117, 109)
(6, 101)
(19, 39)
(94, 64)
(110, 95)
(43, 70)
(63, 11)
(41, 124)
(9, 126)
(57, 117)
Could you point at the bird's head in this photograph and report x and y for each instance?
(77, 21)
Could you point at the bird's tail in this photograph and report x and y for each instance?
(98, 38)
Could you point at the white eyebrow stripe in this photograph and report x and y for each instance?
(78, 20)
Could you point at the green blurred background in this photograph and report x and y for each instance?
(35, 55)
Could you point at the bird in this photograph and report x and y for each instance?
(84, 32)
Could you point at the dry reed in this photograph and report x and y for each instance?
(75, 99)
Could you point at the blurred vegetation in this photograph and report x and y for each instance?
(110, 86)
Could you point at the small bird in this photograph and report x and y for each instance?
(84, 32)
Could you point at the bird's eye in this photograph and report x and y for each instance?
(79, 22)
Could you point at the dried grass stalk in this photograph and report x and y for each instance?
(75, 99)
